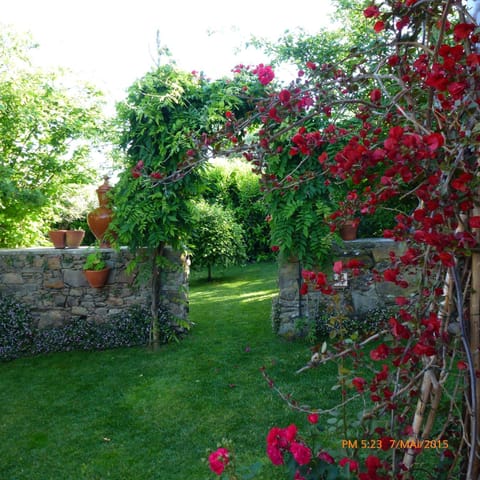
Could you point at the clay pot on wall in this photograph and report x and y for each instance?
(96, 270)
(58, 238)
(97, 278)
(73, 238)
(99, 219)
(348, 229)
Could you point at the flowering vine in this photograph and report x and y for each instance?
(404, 126)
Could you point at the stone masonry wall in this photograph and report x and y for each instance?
(359, 295)
(52, 284)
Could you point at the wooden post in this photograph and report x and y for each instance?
(474, 339)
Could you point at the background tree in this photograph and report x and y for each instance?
(47, 132)
(216, 239)
(231, 183)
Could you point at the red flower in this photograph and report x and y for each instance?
(422, 349)
(273, 114)
(399, 330)
(264, 73)
(275, 454)
(390, 275)
(284, 97)
(359, 383)
(321, 279)
(401, 301)
(447, 259)
(371, 12)
(460, 183)
(379, 26)
(375, 95)
(322, 158)
(456, 89)
(338, 267)
(303, 289)
(463, 30)
(474, 222)
(352, 464)
(218, 460)
(354, 263)
(380, 353)
(311, 65)
(434, 141)
(301, 453)
(275, 248)
(308, 275)
(461, 365)
(326, 457)
(372, 463)
(313, 418)
(393, 61)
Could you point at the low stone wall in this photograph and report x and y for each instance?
(359, 294)
(52, 284)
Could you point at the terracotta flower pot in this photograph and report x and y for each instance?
(97, 278)
(73, 238)
(99, 219)
(348, 230)
(58, 238)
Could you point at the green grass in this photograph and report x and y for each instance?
(141, 414)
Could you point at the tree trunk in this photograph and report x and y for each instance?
(156, 289)
(209, 277)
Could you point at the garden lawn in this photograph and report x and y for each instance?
(141, 414)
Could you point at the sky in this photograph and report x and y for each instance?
(112, 43)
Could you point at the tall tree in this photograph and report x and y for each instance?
(47, 129)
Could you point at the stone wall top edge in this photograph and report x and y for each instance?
(51, 250)
(360, 241)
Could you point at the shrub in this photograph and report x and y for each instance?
(217, 238)
(325, 322)
(16, 329)
(19, 336)
(232, 184)
(126, 329)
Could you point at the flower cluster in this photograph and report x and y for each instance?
(264, 73)
(218, 460)
(283, 440)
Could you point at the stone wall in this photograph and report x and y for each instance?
(51, 282)
(359, 294)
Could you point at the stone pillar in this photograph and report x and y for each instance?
(359, 296)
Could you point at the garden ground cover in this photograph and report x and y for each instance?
(141, 414)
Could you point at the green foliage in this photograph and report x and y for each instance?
(19, 336)
(46, 134)
(298, 224)
(164, 113)
(94, 261)
(216, 239)
(231, 183)
(325, 322)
